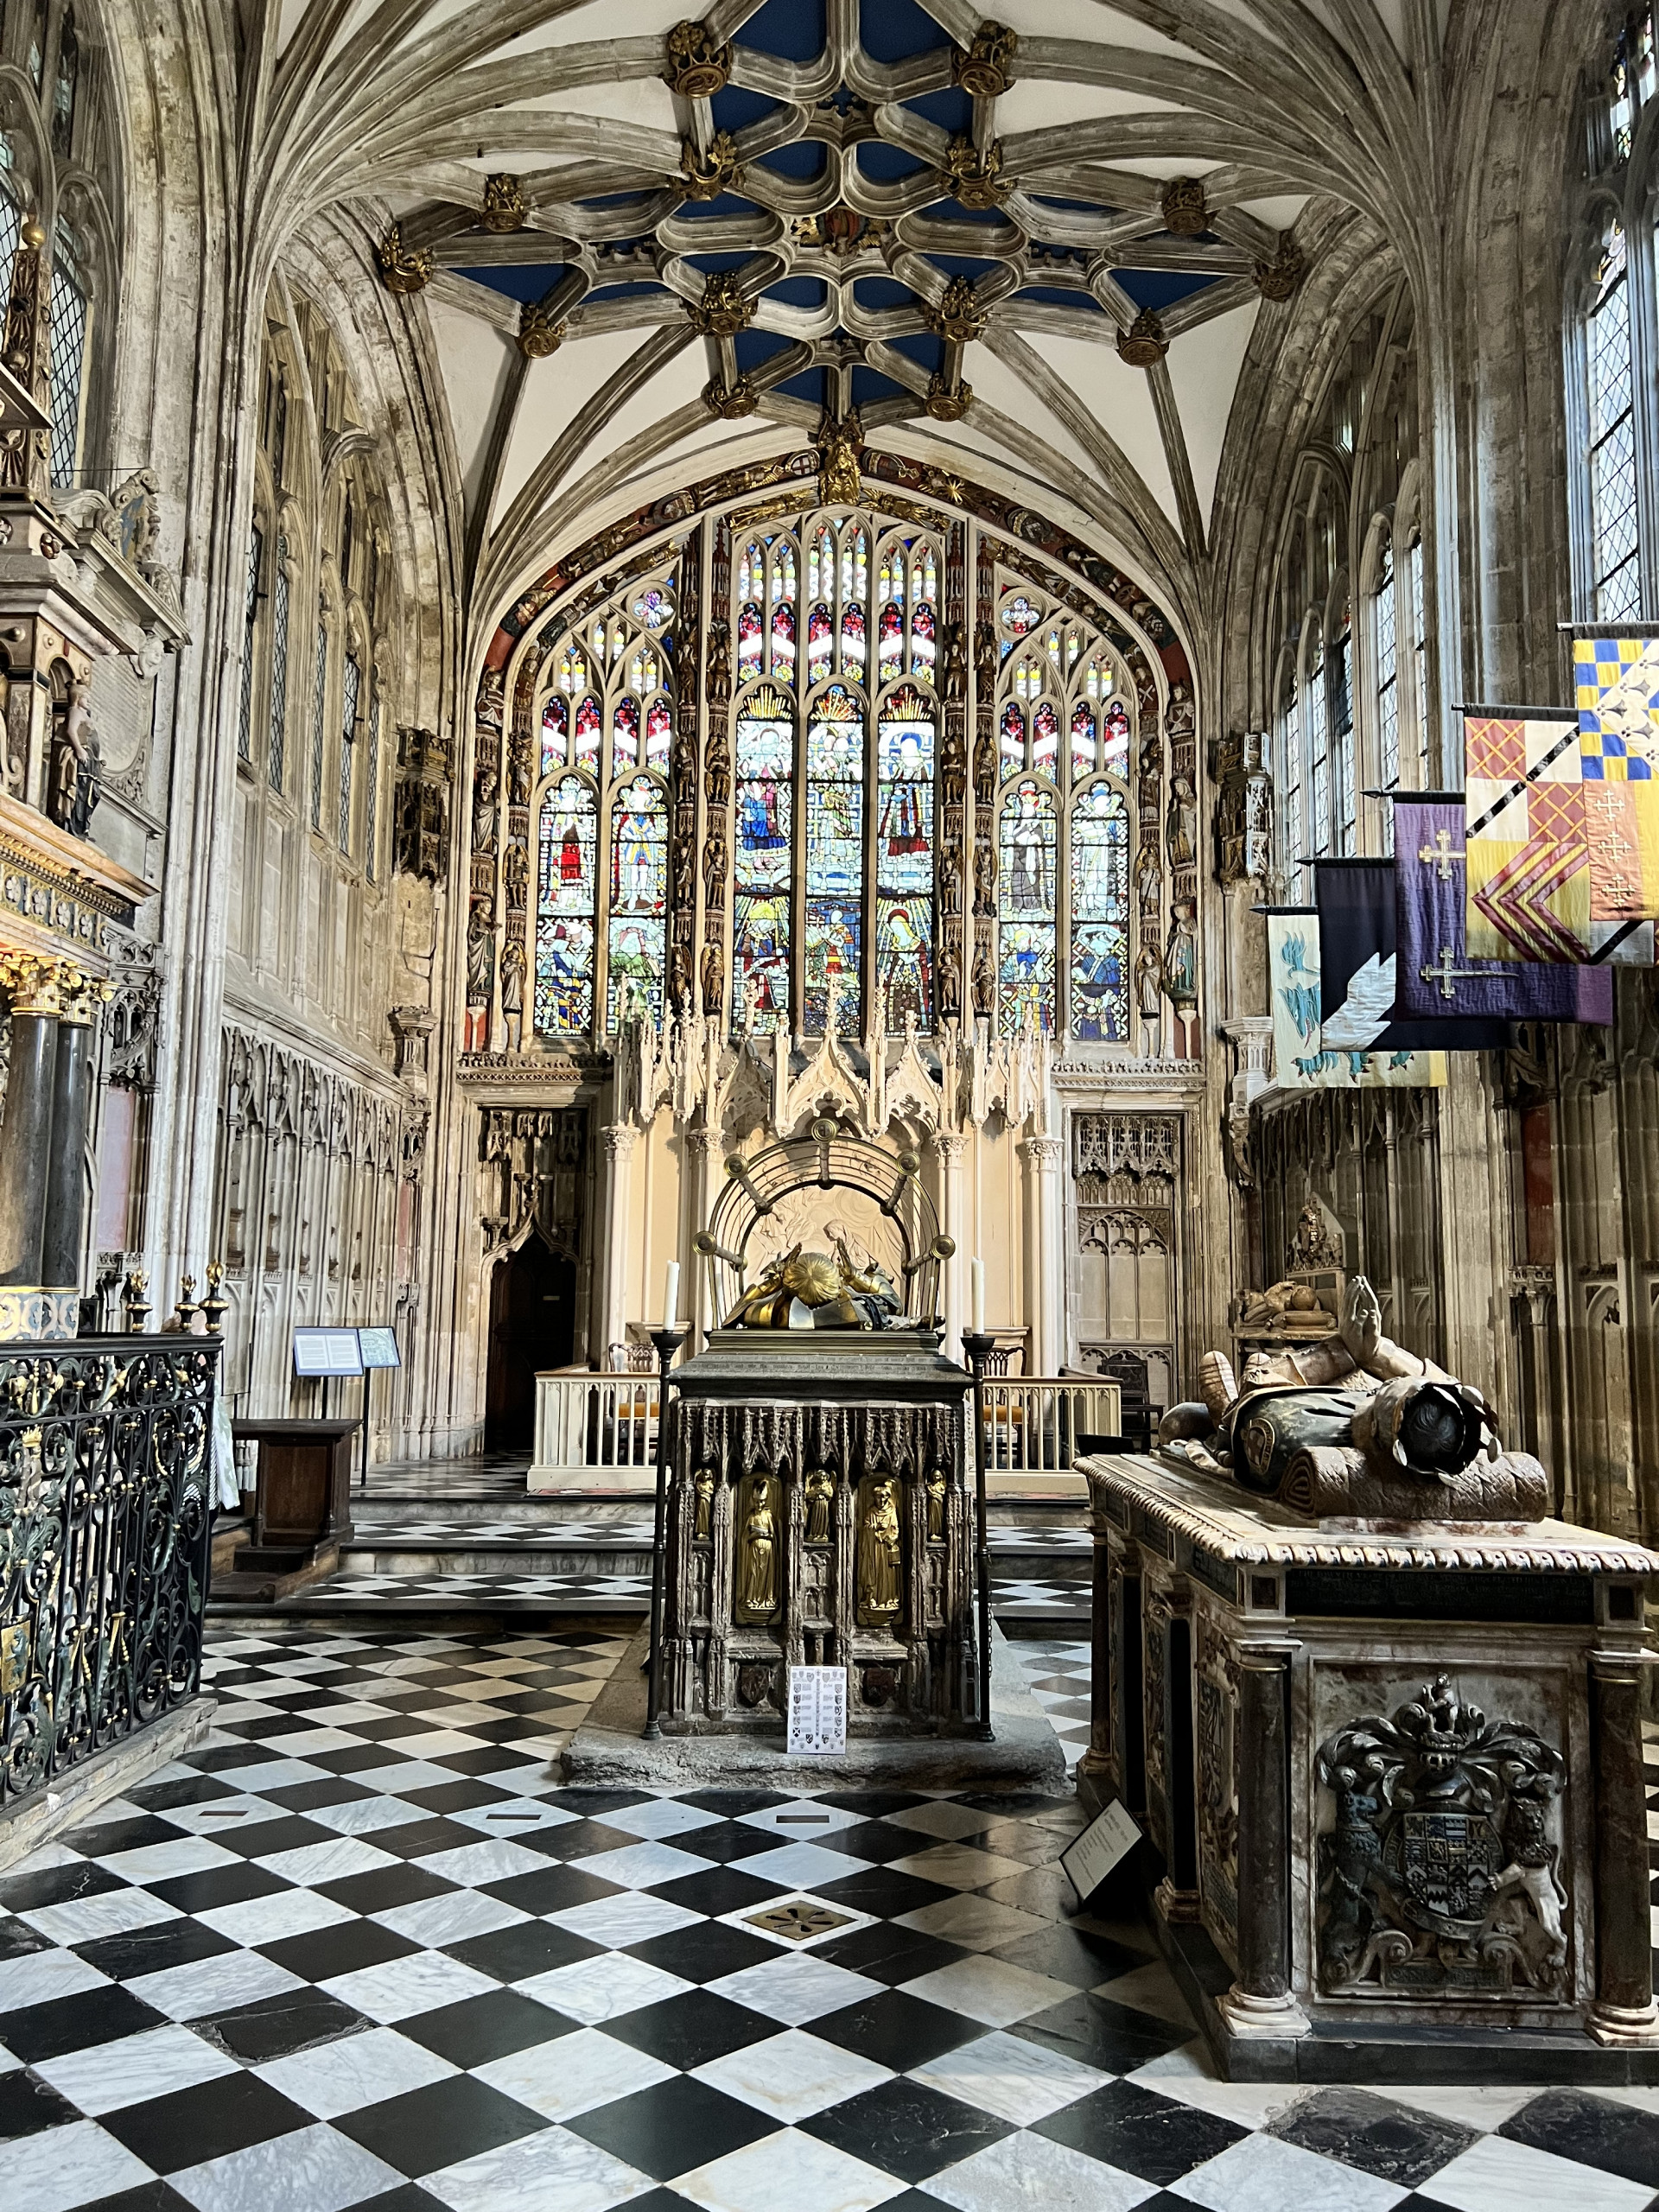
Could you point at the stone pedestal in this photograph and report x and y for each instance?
(819, 1515)
(1395, 1774)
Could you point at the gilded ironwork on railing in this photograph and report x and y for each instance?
(105, 1524)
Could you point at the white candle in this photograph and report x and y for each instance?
(976, 1289)
(671, 1296)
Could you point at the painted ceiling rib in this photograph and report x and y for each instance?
(1180, 469)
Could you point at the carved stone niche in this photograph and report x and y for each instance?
(421, 804)
(1244, 808)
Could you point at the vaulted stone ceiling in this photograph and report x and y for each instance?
(1042, 240)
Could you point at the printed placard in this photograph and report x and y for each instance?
(817, 1710)
(326, 1351)
(1105, 1840)
(378, 1347)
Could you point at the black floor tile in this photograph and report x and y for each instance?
(463, 1797)
(418, 1840)
(58, 1886)
(593, 1804)
(722, 1842)
(440, 2125)
(1066, 1953)
(578, 1840)
(1113, 2037)
(1379, 2137)
(274, 2026)
(875, 1842)
(896, 2031)
(871, 1804)
(105, 1839)
(1617, 2139)
(491, 2026)
(28, 2104)
(882, 1891)
(323, 1953)
(889, 1953)
(906, 2129)
(207, 2120)
(224, 1758)
(527, 1948)
(91, 2016)
(690, 2029)
(718, 1890)
(264, 1838)
(356, 1759)
(703, 1951)
(216, 1885)
(151, 1950)
(148, 2196)
(383, 1887)
(551, 1889)
(672, 2128)
(180, 1790)
(18, 1939)
(411, 2197)
(1144, 2134)
(308, 1796)
(732, 1804)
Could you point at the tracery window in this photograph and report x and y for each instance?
(1420, 657)
(1065, 729)
(1386, 636)
(1616, 579)
(245, 711)
(604, 731)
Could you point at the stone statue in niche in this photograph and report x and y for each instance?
(880, 1587)
(1180, 976)
(1354, 1425)
(1317, 1242)
(712, 978)
(703, 1490)
(820, 1497)
(480, 977)
(936, 1488)
(71, 790)
(484, 814)
(1438, 1873)
(757, 1560)
(1150, 982)
(513, 990)
(1182, 824)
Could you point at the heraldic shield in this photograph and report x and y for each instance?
(1438, 1869)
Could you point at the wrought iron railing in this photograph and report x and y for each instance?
(105, 1525)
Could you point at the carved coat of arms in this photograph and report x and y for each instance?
(1440, 1874)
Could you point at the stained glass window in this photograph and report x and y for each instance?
(244, 712)
(638, 900)
(350, 688)
(1317, 722)
(565, 908)
(764, 758)
(1291, 767)
(590, 734)
(1615, 567)
(659, 734)
(835, 861)
(1046, 739)
(1115, 726)
(1342, 740)
(1012, 738)
(625, 735)
(318, 734)
(277, 733)
(555, 735)
(904, 859)
(1099, 1010)
(1387, 687)
(371, 791)
(820, 643)
(1083, 739)
(1420, 657)
(1026, 906)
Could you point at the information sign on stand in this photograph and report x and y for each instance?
(378, 1347)
(326, 1351)
(1108, 1838)
(817, 1710)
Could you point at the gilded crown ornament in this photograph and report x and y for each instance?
(705, 176)
(504, 206)
(986, 68)
(1144, 343)
(402, 272)
(729, 400)
(696, 65)
(959, 314)
(978, 177)
(948, 400)
(540, 333)
(214, 1304)
(1186, 212)
(134, 1300)
(841, 231)
(1279, 279)
(722, 311)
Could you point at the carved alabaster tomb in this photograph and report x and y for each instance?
(818, 1507)
(1379, 1717)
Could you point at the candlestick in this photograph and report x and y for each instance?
(671, 1296)
(976, 1289)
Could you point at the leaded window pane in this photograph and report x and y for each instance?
(317, 733)
(66, 334)
(350, 688)
(372, 792)
(276, 738)
(244, 710)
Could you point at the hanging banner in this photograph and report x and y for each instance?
(1435, 979)
(1301, 1061)
(1358, 986)
(1555, 871)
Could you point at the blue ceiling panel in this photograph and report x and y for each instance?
(1161, 288)
(799, 291)
(754, 347)
(805, 157)
(713, 261)
(959, 265)
(870, 385)
(793, 29)
(523, 280)
(922, 347)
(876, 292)
(735, 108)
(892, 30)
(949, 107)
(808, 386)
(623, 291)
(705, 211)
(1059, 295)
(885, 164)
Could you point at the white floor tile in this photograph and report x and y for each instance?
(959, 1866)
(629, 1917)
(401, 1988)
(59, 2167)
(114, 1912)
(573, 2074)
(1262, 2174)
(989, 1989)
(354, 2071)
(1027, 2173)
(591, 1989)
(312, 1863)
(492, 1859)
(39, 1976)
(107, 2076)
(787, 2169)
(978, 1923)
(189, 1993)
(266, 1920)
(659, 1817)
(643, 1865)
(438, 1921)
(552, 2172)
(798, 1865)
(1495, 2176)
(791, 2075)
(160, 1862)
(795, 1987)
(1018, 2081)
(309, 2170)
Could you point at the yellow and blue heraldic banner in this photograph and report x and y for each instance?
(1562, 816)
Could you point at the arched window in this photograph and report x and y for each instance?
(1293, 825)
(1385, 633)
(1027, 913)
(1616, 577)
(638, 900)
(1426, 777)
(66, 337)
(763, 761)
(1317, 726)
(350, 689)
(372, 792)
(319, 735)
(277, 732)
(251, 612)
(1343, 780)
(1099, 987)
(904, 858)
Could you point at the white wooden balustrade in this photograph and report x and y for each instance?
(598, 1431)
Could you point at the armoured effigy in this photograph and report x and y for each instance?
(1354, 1425)
(817, 1506)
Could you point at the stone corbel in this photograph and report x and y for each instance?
(1250, 1036)
(1243, 817)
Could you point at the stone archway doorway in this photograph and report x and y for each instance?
(532, 1326)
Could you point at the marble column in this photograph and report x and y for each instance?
(618, 1139)
(34, 986)
(1260, 2001)
(1045, 1291)
(701, 1149)
(948, 1147)
(1624, 2010)
(66, 1189)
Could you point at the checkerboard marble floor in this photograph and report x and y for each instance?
(1013, 1597)
(363, 1950)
